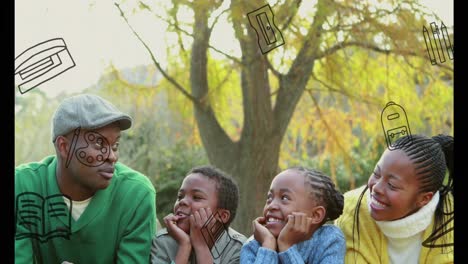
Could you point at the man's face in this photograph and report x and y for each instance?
(91, 166)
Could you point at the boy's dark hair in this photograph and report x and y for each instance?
(228, 192)
(431, 158)
(323, 189)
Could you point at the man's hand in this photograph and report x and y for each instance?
(262, 234)
(298, 228)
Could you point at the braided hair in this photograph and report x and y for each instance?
(432, 157)
(324, 192)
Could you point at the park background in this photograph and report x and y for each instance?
(200, 91)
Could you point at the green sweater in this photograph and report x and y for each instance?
(117, 226)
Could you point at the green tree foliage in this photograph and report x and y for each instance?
(33, 117)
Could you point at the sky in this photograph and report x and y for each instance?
(96, 36)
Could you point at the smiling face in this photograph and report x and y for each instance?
(394, 188)
(288, 193)
(197, 191)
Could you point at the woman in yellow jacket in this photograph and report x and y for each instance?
(405, 212)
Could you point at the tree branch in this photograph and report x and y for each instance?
(179, 29)
(295, 8)
(292, 84)
(256, 100)
(278, 74)
(156, 63)
(234, 59)
(330, 131)
(371, 46)
(332, 89)
(178, 32)
(216, 19)
(217, 143)
(225, 79)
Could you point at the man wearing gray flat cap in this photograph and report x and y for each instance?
(81, 205)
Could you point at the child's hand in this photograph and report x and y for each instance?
(298, 228)
(174, 231)
(197, 221)
(262, 234)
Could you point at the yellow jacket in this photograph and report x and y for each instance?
(372, 244)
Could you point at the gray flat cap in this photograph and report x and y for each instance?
(86, 111)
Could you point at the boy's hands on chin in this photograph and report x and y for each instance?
(262, 234)
(298, 228)
(176, 232)
(197, 221)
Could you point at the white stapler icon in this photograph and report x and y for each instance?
(41, 63)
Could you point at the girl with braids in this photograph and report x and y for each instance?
(405, 212)
(292, 228)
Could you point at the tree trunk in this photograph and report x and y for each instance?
(253, 160)
(256, 167)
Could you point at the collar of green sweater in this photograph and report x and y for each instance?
(411, 224)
